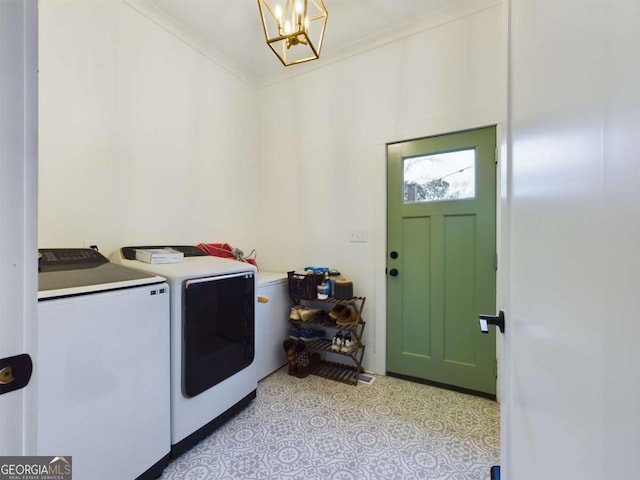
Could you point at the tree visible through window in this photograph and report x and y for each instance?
(444, 176)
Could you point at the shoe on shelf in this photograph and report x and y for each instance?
(347, 317)
(336, 343)
(302, 361)
(309, 334)
(323, 318)
(348, 344)
(307, 314)
(336, 311)
(294, 333)
(290, 349)
(294, 316)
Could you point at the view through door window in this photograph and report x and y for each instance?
(442, 176)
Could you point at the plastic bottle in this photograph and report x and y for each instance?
(327, 282)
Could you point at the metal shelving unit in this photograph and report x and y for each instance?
(341, 372)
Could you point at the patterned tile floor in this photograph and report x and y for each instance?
(314, 428)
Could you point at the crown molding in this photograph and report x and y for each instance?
(457, 11)
(151, 12)
(461, 9)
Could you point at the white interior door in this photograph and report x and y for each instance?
(571, 406)
(18, 193)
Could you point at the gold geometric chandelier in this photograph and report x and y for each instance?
(294, 29)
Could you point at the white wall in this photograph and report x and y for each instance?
(143, 139)
(323, 154)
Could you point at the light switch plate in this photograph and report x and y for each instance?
(358, 236)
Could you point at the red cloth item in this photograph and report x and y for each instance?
(224, 250)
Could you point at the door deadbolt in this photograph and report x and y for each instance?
(6, 375)
(393, 254)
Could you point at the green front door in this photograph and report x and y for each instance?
(441, 249)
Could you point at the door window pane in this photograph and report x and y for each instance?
(443, 176)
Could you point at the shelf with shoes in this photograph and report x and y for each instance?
(344, 319)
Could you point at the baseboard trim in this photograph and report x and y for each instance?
(445, 386)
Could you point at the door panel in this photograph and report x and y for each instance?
(459, 278)
(571, 356)
(441, 220)
(416, 295)
(18, 192)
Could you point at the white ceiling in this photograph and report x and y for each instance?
(233, 27)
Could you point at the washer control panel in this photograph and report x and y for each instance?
(56, 259)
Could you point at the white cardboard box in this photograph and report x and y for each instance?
(159, 255)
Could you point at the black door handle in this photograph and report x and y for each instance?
(486, 320)
(393, 272)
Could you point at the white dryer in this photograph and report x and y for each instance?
(213, 372)
(102, 366)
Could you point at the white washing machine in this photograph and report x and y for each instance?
(272, 325)
(213, 372)
(102, 366)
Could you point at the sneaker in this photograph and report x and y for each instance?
(307, 314)
(294, 316)
(294, 333)
(336, 343)
(323, 318)
(310, 334)
(348, 344)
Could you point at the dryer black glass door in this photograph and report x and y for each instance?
(218, 330)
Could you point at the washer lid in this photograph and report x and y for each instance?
(65, 272)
